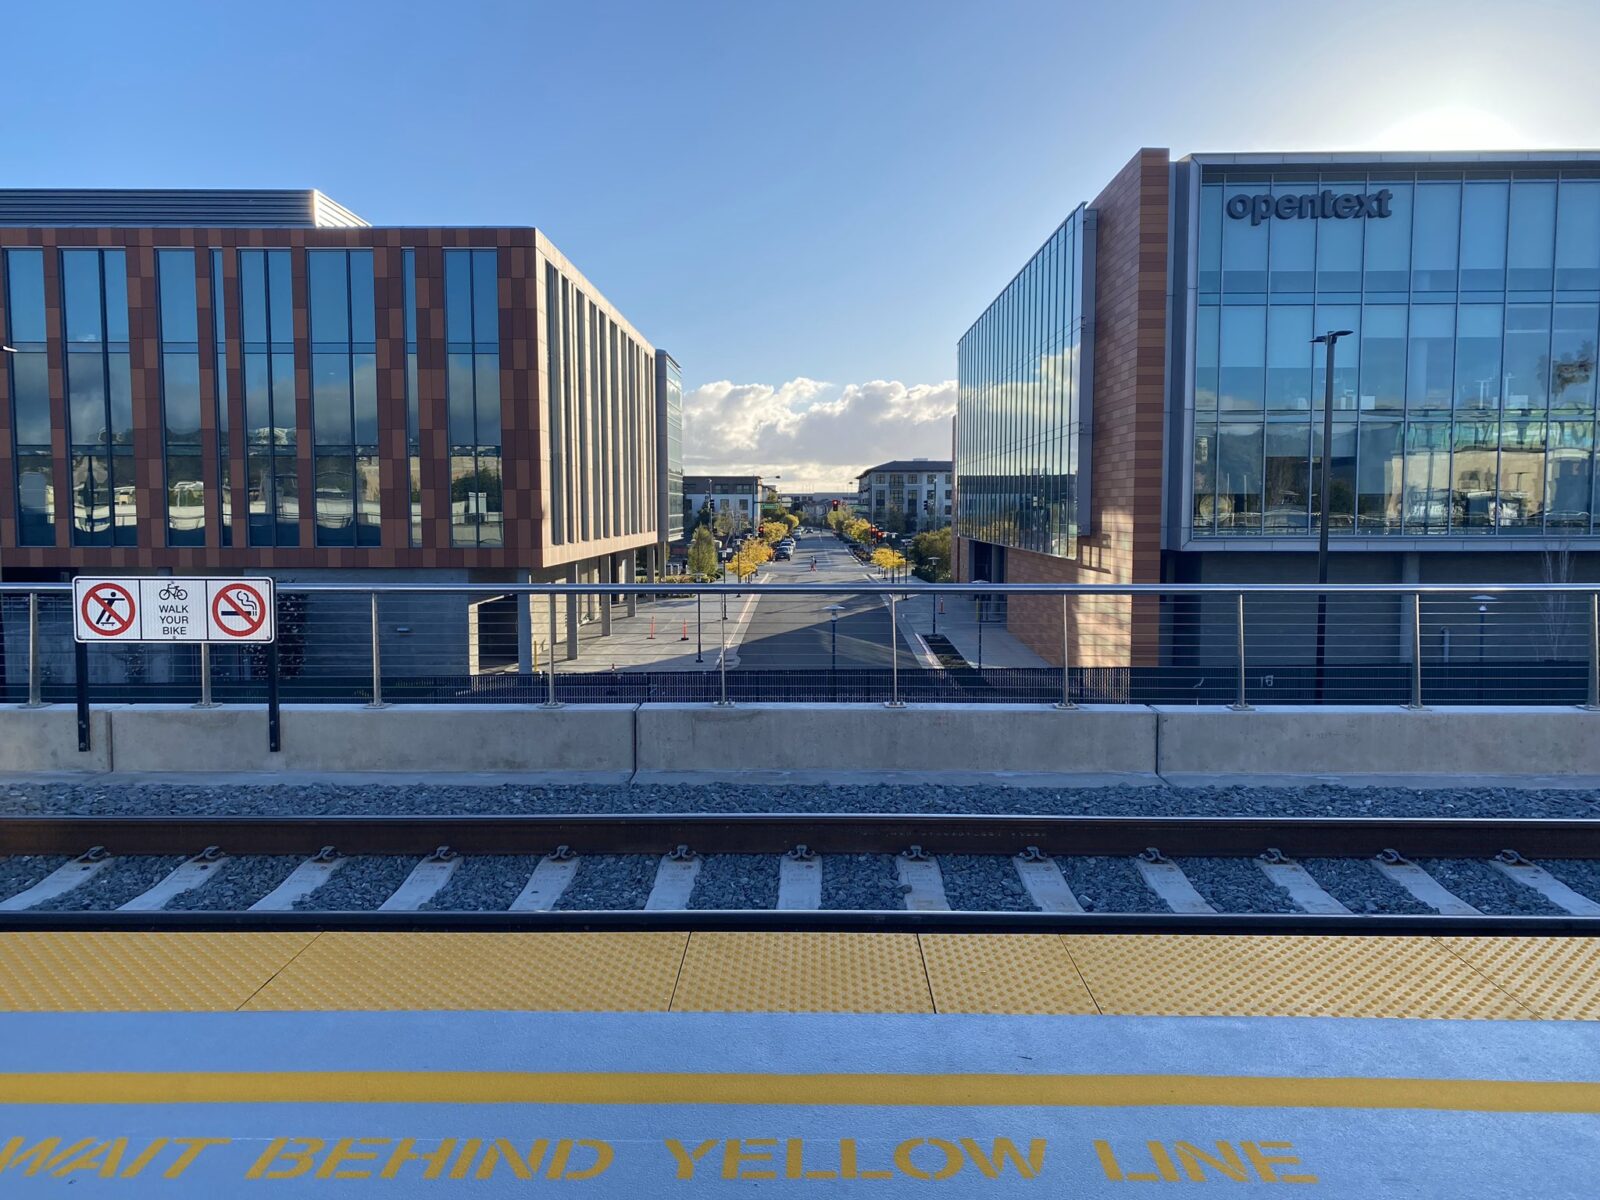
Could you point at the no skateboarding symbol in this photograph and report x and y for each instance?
(239, 611)
(108, 610)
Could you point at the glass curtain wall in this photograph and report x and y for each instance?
(34, 476)
(219, 350)
(674, 464)
(1020, 369)
(1465, 402)
(94, 288)
(344, 396)
(180, 398)
(266, 309)
(472, 336)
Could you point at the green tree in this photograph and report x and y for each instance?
(931, 552)
(703, 553)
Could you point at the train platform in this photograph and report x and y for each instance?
(807, 1064)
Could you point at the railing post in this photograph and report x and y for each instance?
(894, 700)
(550, 700)
(205, 676)
(1593, 704)
(722, 656)
(1066, 659)
(80, 683)
(377, 659)
(274, 711)
(1416, 650)
(1240, 704)
(35, 698)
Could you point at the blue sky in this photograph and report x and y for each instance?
(806, 202)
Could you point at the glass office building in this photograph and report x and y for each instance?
(1464, 399)
(1024, 379)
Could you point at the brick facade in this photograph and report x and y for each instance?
(1128, 415)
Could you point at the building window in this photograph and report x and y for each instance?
(219, 349)
(180, 398)
(413, 401)
(99, 397)
(472, 335)
(272, 479)
(30, 398)
(344, 396)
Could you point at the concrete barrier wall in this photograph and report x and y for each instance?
(46, 739)
(1349, 741)
(950, 738)
(749, 741)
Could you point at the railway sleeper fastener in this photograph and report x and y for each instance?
(442, 854)
(1032, 854)
(561, 853)
(93, 855)
(681, 854)
(326, 855)
(1152, 854)
(1274, 857)
(1512, 859)
(915, 854)
(801, 853)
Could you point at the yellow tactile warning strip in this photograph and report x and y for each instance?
(139, 972)
(1023, 973)
(1154, 975)
(1558, 978)
(803, 972)
(1489, 978)
(538, 972)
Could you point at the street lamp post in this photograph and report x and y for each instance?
(833, 611)
(1329, 340)
(698, 653)
(1483, 613)
(933, 569)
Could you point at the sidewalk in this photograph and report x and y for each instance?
(995, 646)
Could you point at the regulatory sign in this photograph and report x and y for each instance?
(168, 609)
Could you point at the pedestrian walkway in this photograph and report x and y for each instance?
(987, 645)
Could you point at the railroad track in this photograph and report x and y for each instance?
(798, 848)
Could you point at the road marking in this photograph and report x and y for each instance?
(78, 1088)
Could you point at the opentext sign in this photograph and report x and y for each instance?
(1313, 205)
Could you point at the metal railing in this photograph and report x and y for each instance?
(1242, 645)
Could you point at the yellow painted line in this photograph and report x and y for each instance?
(854, 1090)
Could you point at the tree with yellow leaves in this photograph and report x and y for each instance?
(773, 532)
(887, 560)
(748, 558)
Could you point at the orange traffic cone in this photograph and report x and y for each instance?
(652, 636)
(685, 636)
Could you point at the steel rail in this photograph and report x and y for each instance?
(800, 921)
(823, 833)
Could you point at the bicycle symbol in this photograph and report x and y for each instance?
(173, 591)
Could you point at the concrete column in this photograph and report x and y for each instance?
(631, 602)
(525, 629)
(608, 572)
(574, 575)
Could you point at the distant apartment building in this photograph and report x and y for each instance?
(815, 506)
(707, 497)
(907, 495)
(259, 381)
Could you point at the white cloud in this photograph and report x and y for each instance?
(816, 435)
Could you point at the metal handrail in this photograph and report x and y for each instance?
(899, 589)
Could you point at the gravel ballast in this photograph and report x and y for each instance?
(1236, 885)
(736, 881)
(611, 881)
(361, 884)
(357, 799)
(116, 884)
(860, 881)
(1109, 885)
(237, 884)
(1362, 888)
(983, 883)
(22, 871)
(486, 883)
(1487, 890)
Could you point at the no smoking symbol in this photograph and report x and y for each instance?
(108, 609)
(239, 610)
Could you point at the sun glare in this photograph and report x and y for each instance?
(1451, 127)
